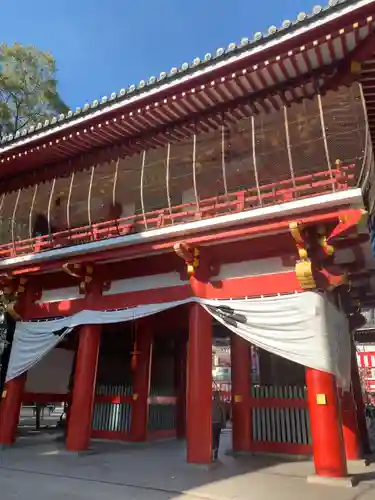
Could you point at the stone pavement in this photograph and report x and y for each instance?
(38, 467)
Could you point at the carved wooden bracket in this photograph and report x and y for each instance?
(198, 261)
(348, 224)
(85, 273)
(191, 256)
(315, 267)
(13, 286)
(304, 267)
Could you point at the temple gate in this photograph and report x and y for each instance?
(236, 190)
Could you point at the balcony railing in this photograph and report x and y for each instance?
(251, 162)
(337, 179)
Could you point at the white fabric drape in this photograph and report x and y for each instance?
(305, 328)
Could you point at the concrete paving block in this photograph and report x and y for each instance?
(341, 482)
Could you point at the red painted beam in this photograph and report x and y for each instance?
(208, 237)
(44, 398)
(119, 301)
(238, 251)
(254, 286)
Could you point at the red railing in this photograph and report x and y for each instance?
(280, 420)
(337, 179)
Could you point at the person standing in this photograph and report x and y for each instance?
(218, 423)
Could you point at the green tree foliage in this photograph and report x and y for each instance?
(28, 88)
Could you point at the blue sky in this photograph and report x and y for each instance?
(103, 46)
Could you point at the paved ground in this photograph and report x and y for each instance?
(38, 467)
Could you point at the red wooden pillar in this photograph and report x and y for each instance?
(10, 409)
(350, 426)
(325, 421)
(180, 387)
(80, 415)
(360, 406)
(241, 379)
(141, 380)
(199, 387)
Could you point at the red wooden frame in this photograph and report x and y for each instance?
(278, 403)
(278, 192)
(269, 284)
(44, 398)
(283, 448)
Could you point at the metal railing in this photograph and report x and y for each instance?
(280, 419)
(112, 409)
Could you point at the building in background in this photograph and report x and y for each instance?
(365, 344)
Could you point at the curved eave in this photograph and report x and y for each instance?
(282, 69)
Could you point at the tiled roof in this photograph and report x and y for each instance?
(221, 54)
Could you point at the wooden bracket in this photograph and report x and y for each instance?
(83, 272)
(304, 266)
(348, 222)
(191, 256)
(13, 286)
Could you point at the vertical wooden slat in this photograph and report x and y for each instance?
(68, 203)
(167, 180)
(223, 165)
(284, 418)
(115, 177)
(272, 416)
(195, 186)
(289, 149)
(263, 417)
(304, 425)
(89, 195)
(297, 411)
(292, 417)
(14, 221)
(255, 159)
(287, 421)
(268, 417)
(278, 419)
(50, 204)
(141, 188)
(31, 214)
(324, 134)
(273, 424)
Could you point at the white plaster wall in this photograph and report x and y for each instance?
(58, 294)
(228, 271)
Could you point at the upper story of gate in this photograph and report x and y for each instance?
(287, 116)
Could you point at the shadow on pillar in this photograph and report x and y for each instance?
(7, 328)
(241, 380)
(80, 414)
(199, 387)
(180, 386)
(352, 441)
(141, 366)
(326, 425)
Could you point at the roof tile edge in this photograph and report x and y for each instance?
(175, 73)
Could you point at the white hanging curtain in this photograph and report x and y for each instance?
(305, 328)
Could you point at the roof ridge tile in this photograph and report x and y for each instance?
(175, 72)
